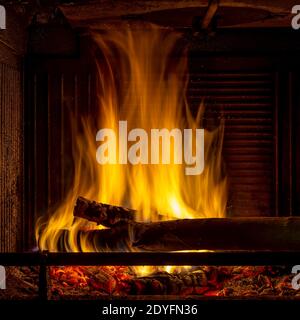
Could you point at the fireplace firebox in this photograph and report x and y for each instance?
(68, 69)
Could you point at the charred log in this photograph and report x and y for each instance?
(186, 234)
(218, 234)
(201, 234)
(167, 283)
(104, 214)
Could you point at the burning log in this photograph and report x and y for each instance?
(218, 234)
(100, 213)
(187, 234)
(114, 239)
(198, 234)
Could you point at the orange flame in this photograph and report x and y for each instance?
(152, 94)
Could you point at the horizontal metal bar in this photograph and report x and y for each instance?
(222, 258)
(20, 259)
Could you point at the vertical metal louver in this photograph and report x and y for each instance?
(246, 102)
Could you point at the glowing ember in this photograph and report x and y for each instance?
(200, 281)
(104, 280)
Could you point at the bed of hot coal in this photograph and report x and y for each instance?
(88, 282)
(200, 281)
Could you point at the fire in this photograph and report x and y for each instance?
(142, 81)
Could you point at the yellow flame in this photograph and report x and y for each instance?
(143, 81)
